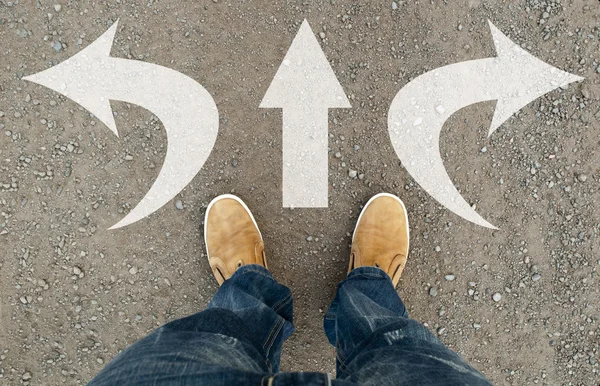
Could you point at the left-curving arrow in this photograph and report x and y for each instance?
(189, 114)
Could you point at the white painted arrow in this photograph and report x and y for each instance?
(189, 114)
(419, 110)
(305, 87)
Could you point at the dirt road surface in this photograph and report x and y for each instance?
(73, 293)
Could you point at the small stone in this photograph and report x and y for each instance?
(440, 109)
(394, 5)
(582, 178)
(460, 27)
(322, 35)
(536, 277)
(352, 173)
(26, 376)
(8, 133)
(497, 297)
(545, 15)
(128, 157)
(57, 7)
(432, 291)
(437, 248)
(484, 149)
(57, 46)
(441, 330)
(23, 299)
(179, 204)
(100, 360)
(449, 277)
(77, 270)
(133, 270)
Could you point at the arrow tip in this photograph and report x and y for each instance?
(525, 78)
(305, 77)
(77, 78)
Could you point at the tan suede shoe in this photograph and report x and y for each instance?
(232, 237)
(381, 236)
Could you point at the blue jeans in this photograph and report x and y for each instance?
(237, 340)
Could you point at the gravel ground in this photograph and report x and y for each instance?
(521, 303)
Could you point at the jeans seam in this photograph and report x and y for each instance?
(281, 303)
(340, 356)
(274, 331)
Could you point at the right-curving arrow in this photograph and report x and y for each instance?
(417, 114)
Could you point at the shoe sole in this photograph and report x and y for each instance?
(395, 198)
(219, 198)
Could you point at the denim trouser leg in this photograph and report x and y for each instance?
(236, 340)
(377, 343)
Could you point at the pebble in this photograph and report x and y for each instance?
(8, 133)
(497, 297)
(437, 248)
(77, 270)
(352, 173)
(484, 149)
(432, 291)
(179, 204)
(128, 157)
(449, 277)
(57, 7)
(394, 5)
(322, 35)
(26, 376)
(440, 109)
(582, 178)
(133, 270)
(536, 277)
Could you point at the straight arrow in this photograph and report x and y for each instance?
(305, 87)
